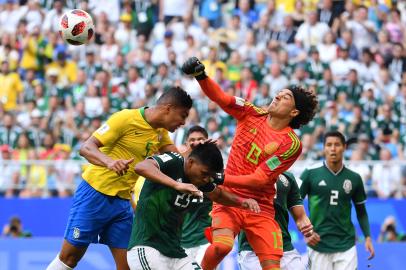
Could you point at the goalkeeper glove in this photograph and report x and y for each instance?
(195, 68)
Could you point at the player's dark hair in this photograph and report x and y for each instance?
(307, 104)
(197, 129)
(209, 155)
(336, 134)
(176, 96)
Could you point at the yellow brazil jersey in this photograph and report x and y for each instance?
(125, 135)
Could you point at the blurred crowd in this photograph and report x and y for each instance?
(53, 96)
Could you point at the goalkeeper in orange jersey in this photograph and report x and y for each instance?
(264, 146)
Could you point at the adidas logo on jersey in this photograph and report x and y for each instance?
(322, 183)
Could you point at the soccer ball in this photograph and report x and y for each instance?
(76, 27)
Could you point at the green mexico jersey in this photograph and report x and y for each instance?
(160, 210)
(287, 196)
(330, 195)
(196, 220)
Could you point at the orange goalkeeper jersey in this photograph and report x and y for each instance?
(255, 145)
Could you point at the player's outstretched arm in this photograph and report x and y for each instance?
(90, 150)
(223, 197)
(363, 221)
(150, 170)
(302, 220)
(195, 68)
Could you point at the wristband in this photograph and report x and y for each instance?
(200, 75)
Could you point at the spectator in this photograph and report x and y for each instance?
(386, 176)
(9, 131)
(211, 10)
(14, 229)
(65, 171)
(11, 90)
(327, 13)
(328, 48)
(395, 27)
(275, 79)
(389, 231)
(363, 30)
(247, 86)
(368, 69)
(51, 22)
(247, 13)
(263, 98)
(397, 65)
(311, 32)
(298, 13)
(36, 180)
(315, 66)
(9, 173)
(136, 84)
(343, 64)
(172, 10)
(125, 34)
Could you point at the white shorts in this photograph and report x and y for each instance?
(291, 260)
(143, 257)
(346, 260)
(197, 253)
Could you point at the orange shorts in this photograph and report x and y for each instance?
(263, 232)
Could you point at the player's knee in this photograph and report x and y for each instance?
(221, 250)
(222, 245)
(69, 259)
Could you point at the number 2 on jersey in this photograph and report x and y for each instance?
(334, 197)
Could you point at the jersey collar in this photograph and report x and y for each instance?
(337, 173)
(142, 110)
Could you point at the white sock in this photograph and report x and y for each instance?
(57, 264)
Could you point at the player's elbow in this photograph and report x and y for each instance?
(83, 150)
(140, 168)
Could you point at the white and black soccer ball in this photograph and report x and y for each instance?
(76, 27)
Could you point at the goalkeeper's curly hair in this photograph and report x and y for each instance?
(309, 110)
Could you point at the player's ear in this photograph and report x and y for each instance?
(167, 107)
(189, 162)
(295, 112)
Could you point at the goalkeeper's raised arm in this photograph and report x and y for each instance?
(194, 67)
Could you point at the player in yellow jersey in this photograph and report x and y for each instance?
(101, 210)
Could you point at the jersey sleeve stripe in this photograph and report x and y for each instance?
(257, 109)
(293, 148)
(296, 205)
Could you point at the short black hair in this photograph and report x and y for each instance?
(197, 129)
(176, 96)
(336, 134)
(308, 108)
(209, 155)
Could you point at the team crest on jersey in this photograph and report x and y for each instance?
(160, 136)
(270, 148)
(284, 180)
(76, 233)
(347, 186)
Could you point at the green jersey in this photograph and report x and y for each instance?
(196, 220)
(330, 195)
(287, 196)
(160, 210)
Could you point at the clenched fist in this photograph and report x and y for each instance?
(195, 68)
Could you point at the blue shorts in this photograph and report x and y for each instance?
(97, 218)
